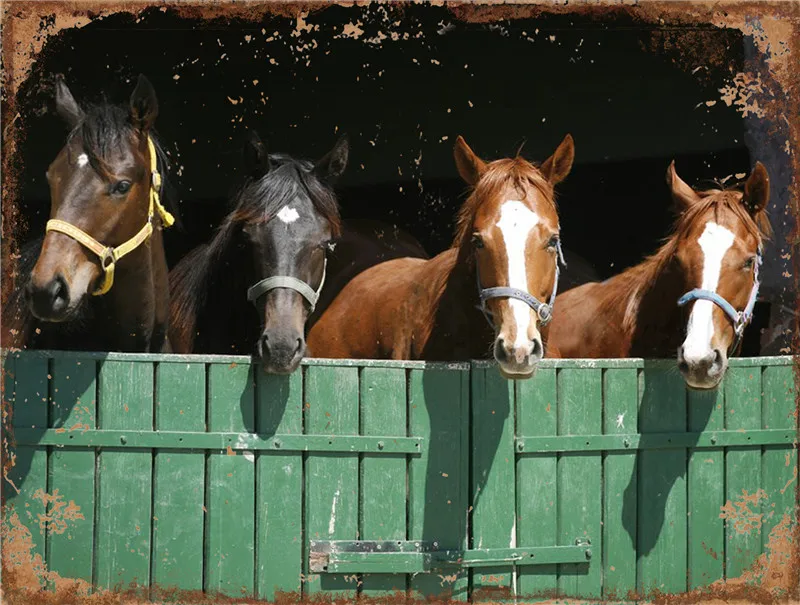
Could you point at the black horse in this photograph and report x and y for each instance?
(97, 279)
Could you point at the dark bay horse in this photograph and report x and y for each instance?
(265, 265)
(503, 262)
(99, 281)
(284, 232)
(710, 262)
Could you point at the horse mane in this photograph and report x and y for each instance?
(257, 200)
(633, 283)
(106, 128)
(500, 174)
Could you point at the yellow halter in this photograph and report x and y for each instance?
(108, 255)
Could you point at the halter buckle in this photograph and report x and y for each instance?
(108, 259)
(545, 313)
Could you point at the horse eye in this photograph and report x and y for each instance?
(121, 187)
(748, 264)
(553, 242)
(477, 240)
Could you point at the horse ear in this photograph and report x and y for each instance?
(469, 165)
(683, 195)
(66, 105)
(256, 159)
(557, 166)
(756, 190)
(144, 104)
(333, 163)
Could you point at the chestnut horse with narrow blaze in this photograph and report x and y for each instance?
(503, 264)
(708, 267)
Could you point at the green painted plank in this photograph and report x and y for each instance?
(331, 399)
(279, 487)
(25, 392)
(492, 474)
(621, 412)
(72, 470)
(537, 523)
(706, 481)
(580, 404)
(778, 464)
(124, 503)
(230, 496)
(179, 479)
(383, 478)
(165, 440)
(743, 472)
(661, 535)
(438, 480)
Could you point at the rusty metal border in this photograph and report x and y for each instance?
(25, 37)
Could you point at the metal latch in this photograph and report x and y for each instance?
(400, 556)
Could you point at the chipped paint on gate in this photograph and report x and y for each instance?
(332, 521)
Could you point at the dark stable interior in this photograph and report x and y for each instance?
(403, 83)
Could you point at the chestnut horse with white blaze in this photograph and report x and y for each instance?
(708, 267)
(503, 264)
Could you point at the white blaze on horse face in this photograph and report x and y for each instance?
(288, 215)
(516, 223)
(715, 243)
(83, 159)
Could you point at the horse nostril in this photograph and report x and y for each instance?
(717, 358)
(500, 352)
(59, 293)
(683, 366)
(300, 344)
(538, 350)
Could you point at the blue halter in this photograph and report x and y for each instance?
(543, 310)
(739, 319)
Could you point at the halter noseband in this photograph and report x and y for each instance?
(739, 319)
(543, 310)
(110, 255)
(290, 283)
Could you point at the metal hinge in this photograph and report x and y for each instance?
(399, 556)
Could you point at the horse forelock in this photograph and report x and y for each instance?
(500, 175)
(105, 130)
(258, 200)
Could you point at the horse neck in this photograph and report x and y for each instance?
(137, 306)
(649, 314)
(226, 322)
(457, 326)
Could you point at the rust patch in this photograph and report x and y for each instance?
(740, 515)
(773, 94)
(55, 522)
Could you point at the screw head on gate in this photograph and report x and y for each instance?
(713, 439)
(588, 553)
(626, 442)
(277, 443)
(520, 446)
(123, 440)
(380, 445)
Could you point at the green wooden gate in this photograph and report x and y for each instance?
(592, 479)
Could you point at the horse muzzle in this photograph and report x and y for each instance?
(705, 371)
(49, 300)
(518, 361)
(281, 351)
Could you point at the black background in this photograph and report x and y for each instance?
(403, 82)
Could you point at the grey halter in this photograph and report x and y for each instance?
(543, 310)
(291, 283)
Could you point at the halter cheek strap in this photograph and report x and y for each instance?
(291, 283)
(110, 255)
(543, 310)
(739, 319)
